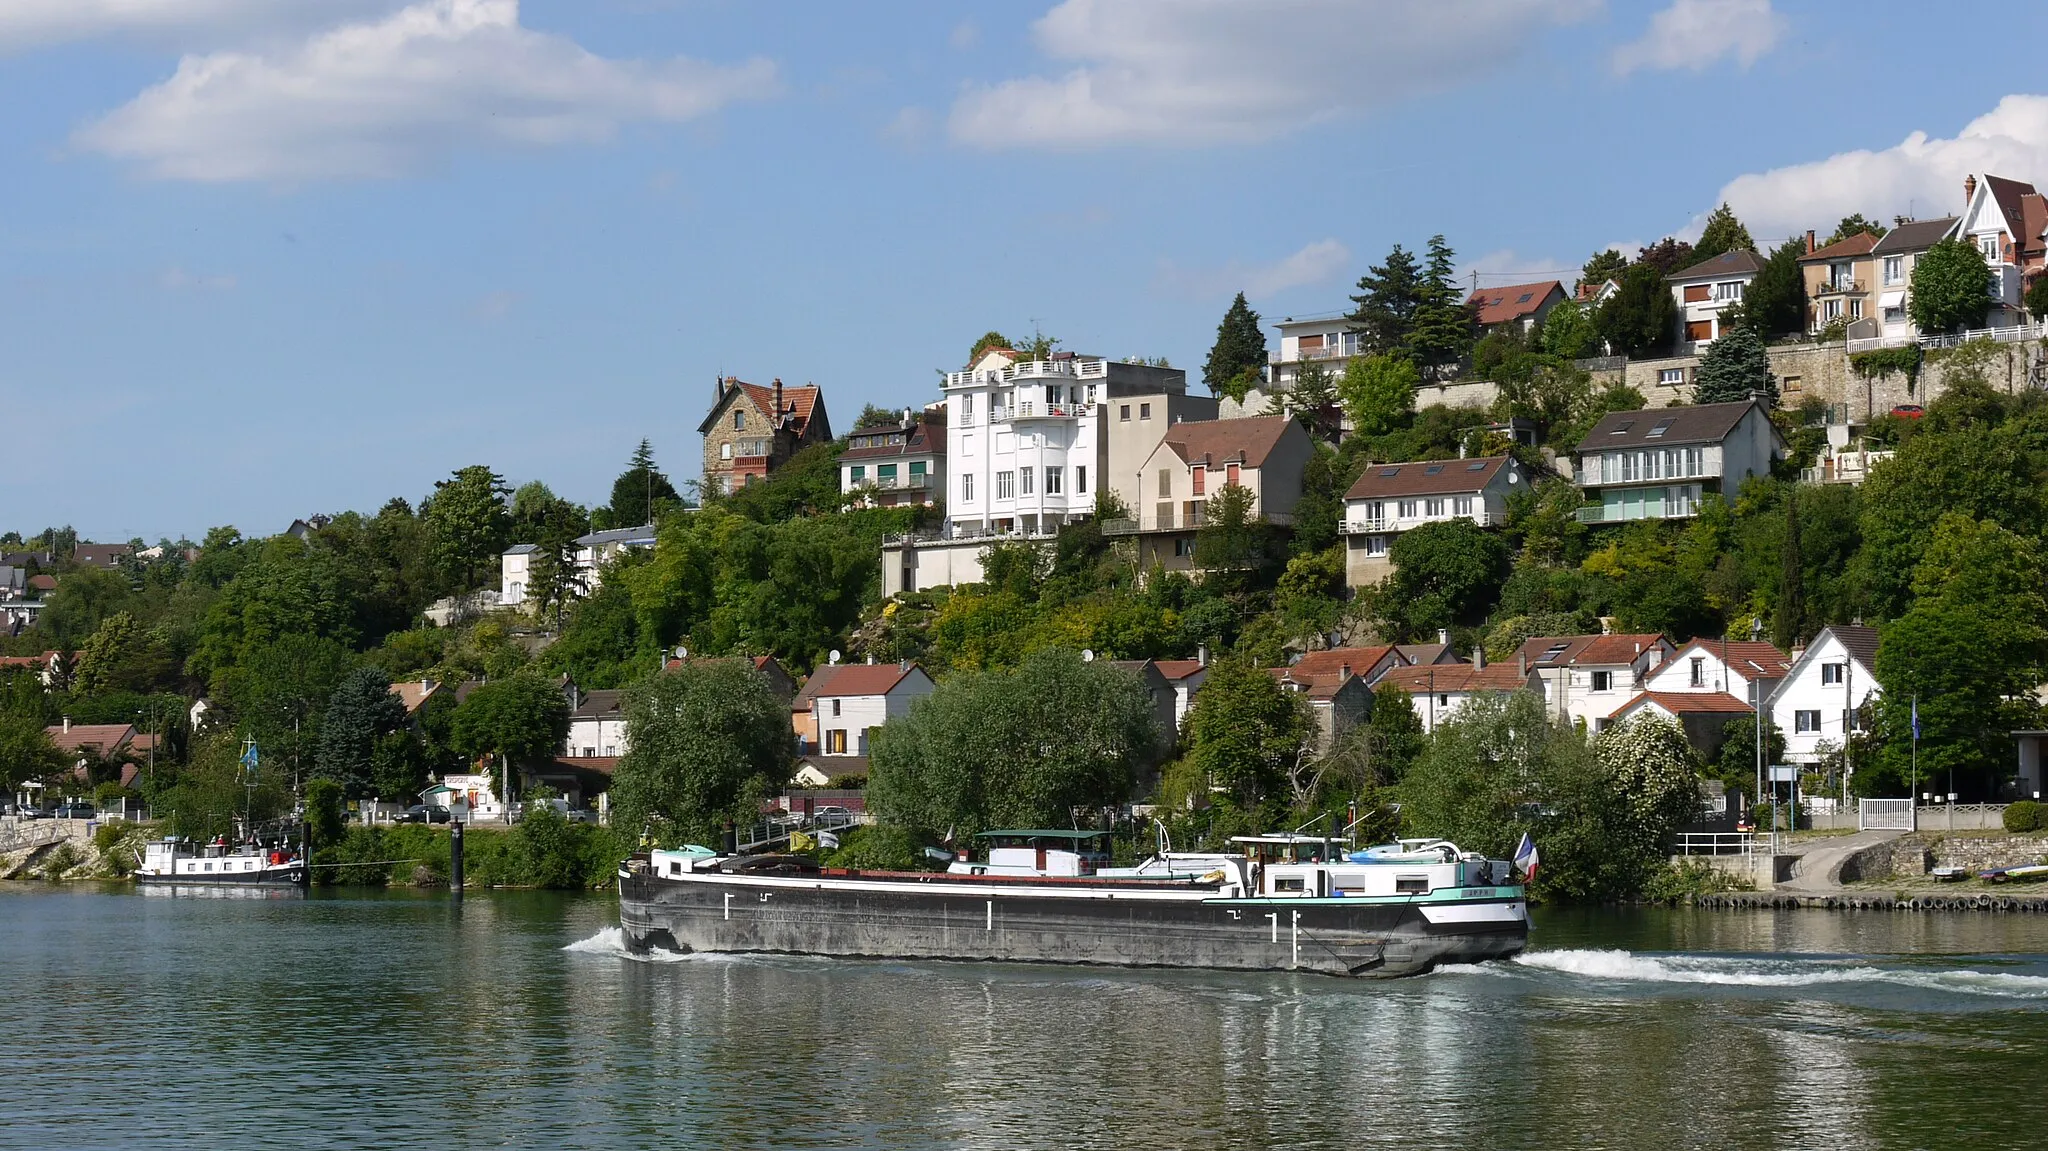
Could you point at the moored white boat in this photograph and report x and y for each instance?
(176, 860)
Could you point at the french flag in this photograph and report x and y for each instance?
(1526, 858)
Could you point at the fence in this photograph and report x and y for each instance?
(1747, 843)
(1884, 815)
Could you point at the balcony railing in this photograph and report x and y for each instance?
(1062, 369)
(1034, 410)
(1622, 513)
(890, 483)
(1368, 525)
(1838, 287)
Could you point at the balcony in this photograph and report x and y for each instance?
(1367, 525)
(1838, 287)
(1844, 468)
(1647, 510)
(902, 483)
(1037, 410)
(1057, 369)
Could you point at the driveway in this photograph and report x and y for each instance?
(1819, 869)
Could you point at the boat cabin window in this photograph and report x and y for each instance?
(1294, 883)
(1411, 885)
(674, 868)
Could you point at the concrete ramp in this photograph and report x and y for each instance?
(1819, 869)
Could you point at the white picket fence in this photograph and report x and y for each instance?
(1884, 815)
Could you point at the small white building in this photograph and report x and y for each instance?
(1438, 691)
(1828, 684)
(515, 573)
(841, 705)
(1735, 667)
(1704, 290)
(597, 725)
(1389, 499)
(1185, 676)
(1587, 678)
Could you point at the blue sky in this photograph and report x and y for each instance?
(260, 259)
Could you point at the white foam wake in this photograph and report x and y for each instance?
(612, 941)
(1732, 972)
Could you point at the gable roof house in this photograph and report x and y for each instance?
(1702, 715)
(1840, 280)
(841, 704)
(1817, 701)
(1197, 459)
(1391, 498)
(1704, 289)
(752, 430)
(105, 556)
(89, 743)
(597, 724)
(1659, 463)
(1368, 663)
(1748, 670)
(2004, 219)
(1521, 306)
(899, 463)
(1337, 701)
(1893, 258)
(1159, 691)
(1186, 677)
(1438, 690)
(1587, 678)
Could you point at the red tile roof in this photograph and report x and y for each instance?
(103, 738)
(1425, 477)
(414, 692)
(1745, 656)
(1246, 441)
(1457, 677)
(1588, 649)
(1361, 660)
(844, 679)
(1856, 245)
(1689, 703)
(802, 400)
(1512, 301)
(1178, 669)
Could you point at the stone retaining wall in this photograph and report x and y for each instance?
(1766, 901)
(1910, 856)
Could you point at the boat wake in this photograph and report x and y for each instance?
(611, 941)
(1626, 966)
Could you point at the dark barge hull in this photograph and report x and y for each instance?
(223, 879)
(1133, 927)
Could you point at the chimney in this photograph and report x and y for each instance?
(67, 725)
(1809, 242)
(1202, 656)
(871, 659)
(1443, 636)
(778, 399)
(1478, 657)
(1343, 672)
(1969, 190)
(1522, 663)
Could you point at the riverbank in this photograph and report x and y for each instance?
(1873, 901)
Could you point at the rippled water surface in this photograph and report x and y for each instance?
(516, 1021)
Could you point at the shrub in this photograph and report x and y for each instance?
(2023, 815)
(1681, 881)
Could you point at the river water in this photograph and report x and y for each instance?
(515, 1020)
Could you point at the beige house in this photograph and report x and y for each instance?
(1391, 498)
(1841, 279)
(1196, 460)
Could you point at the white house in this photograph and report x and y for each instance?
(1659, 463)
(2004, 219)
(840, 705)
(1185, 676)
(899, 463)
(1389, 499)
(600, 548)
(1829, 682)
(515, 573)
(1521, 307)
(1733, 667)
(1705, 289)
(1438, 690)
(1587, 678)
(1327, 341)
(597, 726)
(1894, 257)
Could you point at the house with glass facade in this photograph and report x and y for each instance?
(1659, 463)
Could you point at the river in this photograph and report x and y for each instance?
(389, 1019)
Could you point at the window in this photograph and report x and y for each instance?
(967, 488)
(1699, 672)
(1462, 506)
(1408, 509)
(1183, 548)
(1144, 411)
(1856, 308)
(1165, 482)
(1052, 481)
(1081, 479)
(857, 473)
(1603, 681)
(611, 749)
(1896, 314)
(588, 752)
(835, 742)
(835, 707)
(725, 451)
(1433, 508)
(917, 470)
(739, 419)
(1830, 310)
(1728, 290)
(1025, 475)
(1123, 412)
(1894, 269)
(1695, 293)
(1006, 485)
(1199, 476)
(1699, 330)
(886, 474)
(1989, 246)
(967, 409)
(1443, 699)
(1833, 673)
(1375, 545)
(1230, 472)
(1806, 722)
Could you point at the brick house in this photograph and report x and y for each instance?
(752, 430)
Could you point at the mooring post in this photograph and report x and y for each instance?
(455, 859)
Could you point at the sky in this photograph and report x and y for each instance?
(261, 259)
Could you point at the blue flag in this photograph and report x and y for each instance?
(1916, 717)
(249, 758)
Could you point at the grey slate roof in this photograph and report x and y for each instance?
(1698, 424)
(522, 549)
(1913, 237)
(1861, 643)
(1737, 263)
(617, 535)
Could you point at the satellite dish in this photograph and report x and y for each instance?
(1513, 478)
(682, 653)
(1087, 655)
(834, 657)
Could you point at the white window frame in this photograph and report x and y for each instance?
(1894, 270)
(1806, 721)
(1832, 674)
(1081, 479)
(1728, 291)
(1462, 506)
(967, 488)
(1671, 377)
(1052, 481)
(1024, 475)
(1375, 545)
(1006, 485)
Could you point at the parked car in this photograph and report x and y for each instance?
(421, 813)
(74, 810)
(1909, 411)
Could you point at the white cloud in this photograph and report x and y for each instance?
(27, 24)
(909, 127)
(390, 96)
(1314, 263)
(1207, 71)
(1921, 175)
(1694, 34)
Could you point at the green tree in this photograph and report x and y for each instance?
(987, 341)
(1235, 548)
(512, 720)
(1988, 472)
(1238, 357)
(1045, 745)
(467, 524)
(84, 599)
(1397, 737)
(26, 751)
(1446, 572)
(1735, 367)
(872, 416)
(2036, 298)
(1640, 319)
(1668, 255)
(1790, 611)
(710, 739)
(117, 658)
(1655, 773)
(1320, 514)
(1722, 233)
(1388, 296)
(1568, 331)
(1378, 392)
(1856, 225)
(1775, 301)
(641, 493)
(361, 711)
(1949, 287)
(1444, 322)
(1602, 267)
(1736, 766)
(1247, 737)
(1310, 399)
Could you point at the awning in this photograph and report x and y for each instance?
(1892, 299)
